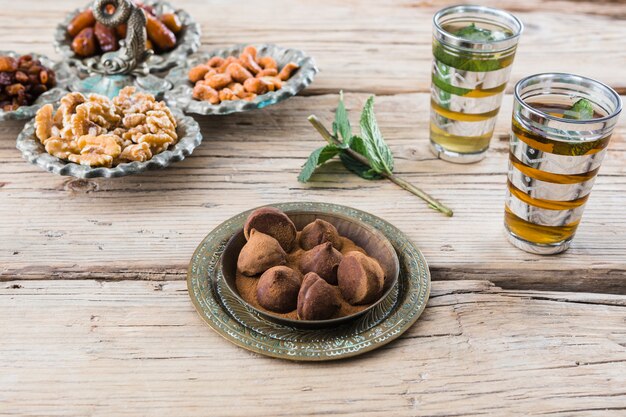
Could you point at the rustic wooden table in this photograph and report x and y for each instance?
(94, 313)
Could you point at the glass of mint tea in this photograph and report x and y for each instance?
(562, 124)
(473, 50)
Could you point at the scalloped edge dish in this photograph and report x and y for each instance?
(33, 151)
(224, 313)
(180, 96)
(186, 45)
(63, 78)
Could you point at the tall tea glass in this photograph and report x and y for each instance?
(555, 155)
(473, 51)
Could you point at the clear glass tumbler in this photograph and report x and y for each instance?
(473, 51)
(554, 157)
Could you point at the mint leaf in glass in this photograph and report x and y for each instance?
(474, 33)
(581, 110)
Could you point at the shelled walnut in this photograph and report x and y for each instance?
(91, 38)
(97, 131)
(238, 78)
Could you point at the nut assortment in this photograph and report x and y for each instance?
(91, 38)
(100, 132)
(314, 274)
(22, 81)
(238, 78)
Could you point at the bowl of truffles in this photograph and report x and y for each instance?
(309, 269)
(88, 136)
(27, 82)
(239, 78)
(171, 33)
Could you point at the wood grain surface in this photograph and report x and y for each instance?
(138, 348)
(147, 226)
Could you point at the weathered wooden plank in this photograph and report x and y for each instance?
(370, 45)
(76, 348)
(147, 226)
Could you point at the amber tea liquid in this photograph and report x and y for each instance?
(554, 160)
(473, 50)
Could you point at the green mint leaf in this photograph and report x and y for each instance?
(358, 168)
(376, 150)
(474, 33)
(440, 77)
(317, 158)
(581, 110)
(341, 124)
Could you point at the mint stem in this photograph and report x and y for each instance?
(432, 202)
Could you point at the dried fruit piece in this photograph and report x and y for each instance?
(84, 44)
(81, 21)
(107, 38)
(172, 22)
(159, 34)
(8, 64)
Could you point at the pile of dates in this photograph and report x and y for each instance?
(90, 37)
(22, 81)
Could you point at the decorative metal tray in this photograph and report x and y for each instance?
(187, 43)
(34, 152)
(63, 77)
(240, 325)
(180, 95)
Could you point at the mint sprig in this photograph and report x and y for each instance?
(581, 110)
(366, 155)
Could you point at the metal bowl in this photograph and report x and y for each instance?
(372, 240)
(34, 152)
(187, 42)
(63, 76)
(181, 94)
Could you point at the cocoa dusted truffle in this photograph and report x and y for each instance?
(277, 289)
(260, 253)
(273, 222)
(317, 299)
(319, 232)
(323, 260)
(361, 278)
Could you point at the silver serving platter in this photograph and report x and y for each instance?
(53, 95)
(181, 94)
(34, 152)
(188, 41)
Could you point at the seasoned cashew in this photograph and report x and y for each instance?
(197, 73)
(238, 73)
(287, 70)
(218, 81)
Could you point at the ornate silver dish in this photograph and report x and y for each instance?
(180, 95)
(244, 327)
(34, 152)
(187, 42)
(63, 76)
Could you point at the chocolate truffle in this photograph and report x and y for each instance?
(317, 299)
(361, 278)
(277, 289)
(260, 253)
(273, 222)
(323, 260)
(319, 232)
